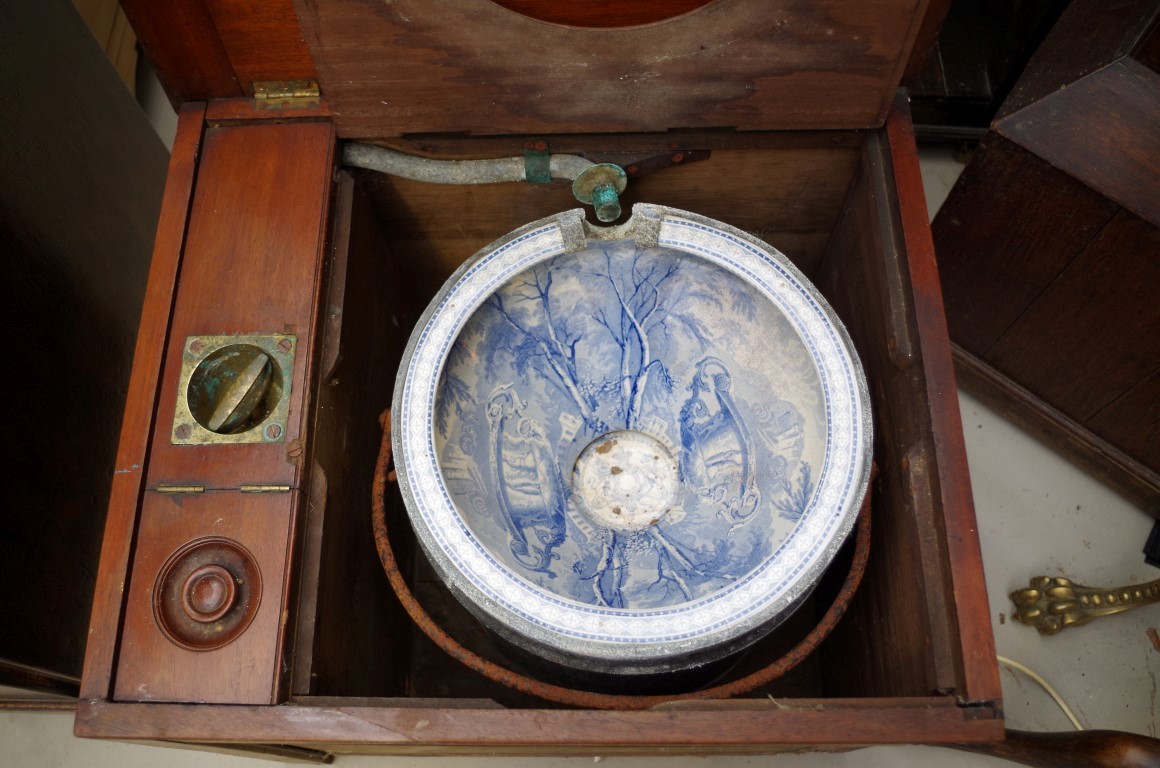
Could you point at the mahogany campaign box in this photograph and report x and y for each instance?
(780, 118)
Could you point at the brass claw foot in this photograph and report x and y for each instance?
(1053, 604)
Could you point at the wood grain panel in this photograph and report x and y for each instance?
(262, 40)
(181, 41)
(470, 65)
(427, 730)
(1088, 36)
(1001, 240)
(955, 524)
(1121, 159)
(788, 197)
(253, 264)
(898, 636)
(1092, 335)
(248, 669)
(137, 423)
(352, 632)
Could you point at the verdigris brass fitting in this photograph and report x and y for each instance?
(233, 389)
(600, 186)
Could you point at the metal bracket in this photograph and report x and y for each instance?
(537, 162)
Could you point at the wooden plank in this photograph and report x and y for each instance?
(1081, 446)
(454, 146)
(242, 111)
(789, 197)
(249, 668)
(1121, 159)
(181, 41)
(535, 731)
(262, 40)
(898, 636)
(1092, 335)
(255, 269)
(412, 67)
(137, 424)
(980, 672)
(1001, 240)
(353, 634)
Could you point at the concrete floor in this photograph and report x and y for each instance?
(1037, 514)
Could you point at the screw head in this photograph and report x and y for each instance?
(274, 431)
(183, 431)
(285, 345)
(196, 346)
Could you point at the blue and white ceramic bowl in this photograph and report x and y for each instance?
(631, 449)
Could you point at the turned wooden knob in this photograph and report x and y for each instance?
(208, 593)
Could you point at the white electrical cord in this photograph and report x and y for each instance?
(1046, 686)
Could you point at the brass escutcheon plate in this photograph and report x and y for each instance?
(191, 423)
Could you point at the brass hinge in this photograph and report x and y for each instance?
(181, 489)
(286, 94)
(264, 488)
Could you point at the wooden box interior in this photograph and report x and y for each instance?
(827, 199)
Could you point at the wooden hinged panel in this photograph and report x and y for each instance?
(471, 65)
(238, 658)
(252, 265)
(391, 68)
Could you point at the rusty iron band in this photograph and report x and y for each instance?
(588, 699)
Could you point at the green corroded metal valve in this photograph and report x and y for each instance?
(600, 186)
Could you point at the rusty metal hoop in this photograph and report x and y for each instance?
(588, 699)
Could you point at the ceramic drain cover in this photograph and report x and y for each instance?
(631, 449)
(626, 481)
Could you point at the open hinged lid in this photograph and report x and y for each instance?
(395, 67)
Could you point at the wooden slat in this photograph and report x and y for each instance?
(139, 414)
(180, 38)
(935, 720)
(351, 628)
(980, 680)
(242, 111)
(471, 65)
(253, 264)
(262, 40)
(898, 636)
(1093, 333)
(1002, 240)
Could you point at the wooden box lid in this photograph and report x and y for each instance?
(395, 67)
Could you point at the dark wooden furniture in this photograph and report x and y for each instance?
(810, 148)
(81, 171)
(1049, 248)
